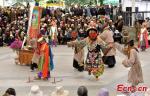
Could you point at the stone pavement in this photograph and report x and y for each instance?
(12, 75)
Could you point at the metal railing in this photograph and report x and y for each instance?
(127, 16)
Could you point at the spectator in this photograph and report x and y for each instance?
(119, 23)
(10, 92)
(82, 91)
(15, 20)
(60, 92)
(148, 24)
(137, 28)
(143, 38)
(103, 92)
(109, 56)
(35, 91)
(101, 11)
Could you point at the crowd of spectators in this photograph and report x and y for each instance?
(13, 24)
(35, 90)
(14, 21)
(58, 91)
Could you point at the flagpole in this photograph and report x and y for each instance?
(133, 10)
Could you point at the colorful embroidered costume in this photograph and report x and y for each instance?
(46, 61)
(93, 63)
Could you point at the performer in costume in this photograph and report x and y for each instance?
(132, 60)
(109, 57)
(35, 58)
(78, 61)
(143, 38)
(94, 64)
(46, 60)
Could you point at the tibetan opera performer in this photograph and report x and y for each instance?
(93, 64)
(109, 54)
(46, 60)
(35, 58)
(78, 61)
(131, 61)
(143, 38)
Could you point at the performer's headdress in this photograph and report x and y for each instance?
(91, 29)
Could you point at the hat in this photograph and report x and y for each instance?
(92, 28)
(59, 28)
(120, 17)
(11, 35)
(103, 92)
(43, 19)
(42, 28)
(60, 92)
(45, 25)
(81, 30)
(35, 91)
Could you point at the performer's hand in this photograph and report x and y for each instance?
(124, 62)
(69, 44)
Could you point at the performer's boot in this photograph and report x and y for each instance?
(96, 77)
(39, 75)
(45, 79)
(37, 78)
(111, 66)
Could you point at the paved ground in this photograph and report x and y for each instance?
(12, 75)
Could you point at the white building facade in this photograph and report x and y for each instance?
(140, 5)
(6, 2)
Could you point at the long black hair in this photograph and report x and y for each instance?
(131, 44)
(11, 91)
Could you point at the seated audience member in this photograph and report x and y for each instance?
(35, 91)
(82, 91)
(59, 91)
(10, 92)
(103, 92)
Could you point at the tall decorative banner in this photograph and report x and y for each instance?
(35, 22)
(34, 26)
